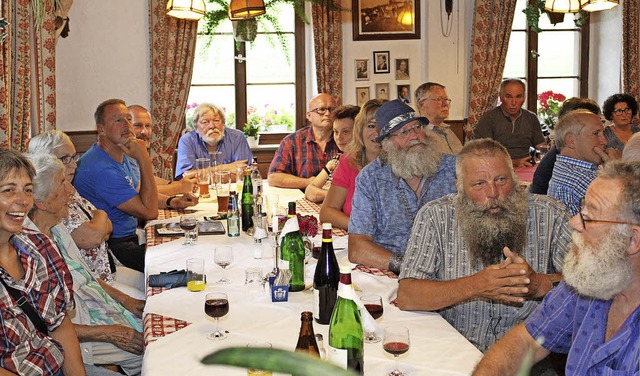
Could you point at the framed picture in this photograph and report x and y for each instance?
(362, 95)
(404, 93)
(362, 69)
(385, 20)
(382, 91)
(402, 69)
(381, 62)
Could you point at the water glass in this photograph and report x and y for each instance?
(196, 278)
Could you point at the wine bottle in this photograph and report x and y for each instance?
(346, 337)
(256, 178)
(325, 279)
(292, 253)
(307, 339)
(247, 201)
(233, 220)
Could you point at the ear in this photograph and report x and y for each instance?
(40, 205)
(570, 141)
(634, 247)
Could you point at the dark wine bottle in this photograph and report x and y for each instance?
(247, 201)
(346, 337)
(292, 253)
(325, 279)
(307, 339)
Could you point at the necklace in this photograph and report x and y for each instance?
(410, 213)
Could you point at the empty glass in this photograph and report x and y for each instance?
(223, 256)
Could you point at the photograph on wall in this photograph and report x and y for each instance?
(402, 69)
(386, 19)
(362, 95)
(404, 93)
(362, 69)
(381, 62)
(382, 91)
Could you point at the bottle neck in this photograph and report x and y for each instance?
(327, 237)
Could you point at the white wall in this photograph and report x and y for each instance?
(605, 61)
(105, 56)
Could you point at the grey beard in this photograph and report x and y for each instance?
(418, 161)
(486, 233)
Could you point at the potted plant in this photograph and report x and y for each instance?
(534, 10)
(252, 132)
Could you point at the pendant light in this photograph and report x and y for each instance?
(563, 6)
(595, 5)
(186, 9)
(245, 9)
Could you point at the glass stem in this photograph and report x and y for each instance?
(215, 332)
(395, 357)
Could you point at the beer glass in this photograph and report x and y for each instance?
(203, 173)
(222, 181)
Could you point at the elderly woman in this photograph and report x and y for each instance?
(620, 109)
(103, 319)
(361, 150)
(31, 267)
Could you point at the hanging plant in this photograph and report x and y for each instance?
(534, 10)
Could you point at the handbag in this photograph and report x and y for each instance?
(27, 308)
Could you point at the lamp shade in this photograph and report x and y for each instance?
(596, 5)
(246, 9)
(186, 9)
(563, 6)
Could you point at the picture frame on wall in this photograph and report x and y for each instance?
(362, 95)
(362, 69)
(381, 62)
(404, 93)
(402, 69)
(378, 20)
(382, 91)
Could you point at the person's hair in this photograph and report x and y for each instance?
(355, 149)
(609, 103)
(628, 174)
(99, 114)
(46, 142)
(203, 107)
(631, 150)
(47, 167)
(137, 107)
(12, 161)
(425, 88)
(482, 147)
(508, 81)
(570, 123)
(346, 112)
(575, 103)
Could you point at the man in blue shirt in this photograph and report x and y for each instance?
(594, 315)
(409, 172)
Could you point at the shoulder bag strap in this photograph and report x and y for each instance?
(23, 303)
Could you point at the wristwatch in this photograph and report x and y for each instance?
(168, 202)
(555, 281)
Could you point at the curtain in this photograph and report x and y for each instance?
(327, 43)
(631, 47)
(172, 44)
(491, 31)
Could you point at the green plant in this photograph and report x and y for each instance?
(535, 9)
(251, 130)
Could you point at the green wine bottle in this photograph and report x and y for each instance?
(247, 201)
(292, 253)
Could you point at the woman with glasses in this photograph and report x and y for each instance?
(620, 109)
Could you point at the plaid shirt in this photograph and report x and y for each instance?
(570, 180)
(300, 155)
(47, 285)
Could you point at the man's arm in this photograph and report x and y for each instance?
(135, 306)
(145, 204)
(284, 180)
(170, 188)
(363, 250)
(65, 334)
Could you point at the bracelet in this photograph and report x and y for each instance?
(327, 170)
(394, 263)
(168, 202)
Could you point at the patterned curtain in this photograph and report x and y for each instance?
(173, 44)
(631, 47)
(327, 42)
(491, 31)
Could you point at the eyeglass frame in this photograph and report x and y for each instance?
(323, 110)
(66, 159)
(444, 101)
(620, 111)
(404, 134)
(584, 220)
(212, 121)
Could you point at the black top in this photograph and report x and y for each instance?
(543, 173)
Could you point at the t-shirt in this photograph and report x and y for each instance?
(345, 176)
(517, 136)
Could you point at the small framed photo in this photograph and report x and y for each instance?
(362, 95)
(381, 62)
(382, 91)
(404, 93)
(402, 69)
(362, 69)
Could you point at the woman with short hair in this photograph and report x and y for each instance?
(620, 109)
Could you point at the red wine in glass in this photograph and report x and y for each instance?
(216, 305)
(396, 348)
(375, 310)
(373, 304)
(396, 342)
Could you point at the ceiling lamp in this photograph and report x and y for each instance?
(595, 5)
(246, 9)
(186, 9)
(563, 6)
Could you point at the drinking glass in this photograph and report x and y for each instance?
(222, 181)
(188, 224)
(239, 179)
(196, 278)
(216, 305)
(373, 304)
(216, 160)
(396, 342)
(256, 371)
(223, 256)
(203, 173)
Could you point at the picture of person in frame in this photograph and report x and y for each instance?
(402, 69)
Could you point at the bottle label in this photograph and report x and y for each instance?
(234, 226)
(316, 304)
(291, 225)
(283, 264)
(337, 357)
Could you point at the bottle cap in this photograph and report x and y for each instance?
(326, 226)
(345, 269)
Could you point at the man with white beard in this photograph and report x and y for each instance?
(409, 172)
(484, 257)
(594, 315)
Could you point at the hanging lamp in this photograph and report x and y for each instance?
(596, 5)
(246, 9)
(563, 6)
(186, 9)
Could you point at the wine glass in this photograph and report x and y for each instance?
(188, 224)
(216, 305)
(373, 304)
(396, 342)
(223, 256)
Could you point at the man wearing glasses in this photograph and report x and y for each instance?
(434, 104)
(594, 314)
(304, 153)
(514, 127)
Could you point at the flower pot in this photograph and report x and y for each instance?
(555, 17)
(253, 141)
(245, 30)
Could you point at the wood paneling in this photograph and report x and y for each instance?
(83, 140)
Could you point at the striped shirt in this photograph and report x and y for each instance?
(299, 154)
(570, 179)
(437, 251)
(577, 325)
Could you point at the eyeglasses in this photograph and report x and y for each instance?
(620, 111)
(207, 121)
(584, 220)
(442, 100)
(404, 134)
(68, 158)
(322, 110)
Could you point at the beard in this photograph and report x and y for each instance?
(213, 136)
(417, 159)
(600, 271)
(487, 233)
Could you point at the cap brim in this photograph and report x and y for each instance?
(421, 119)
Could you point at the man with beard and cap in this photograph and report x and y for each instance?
(209, 137)
(485, 256)
(409, 172)
(594, 314)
